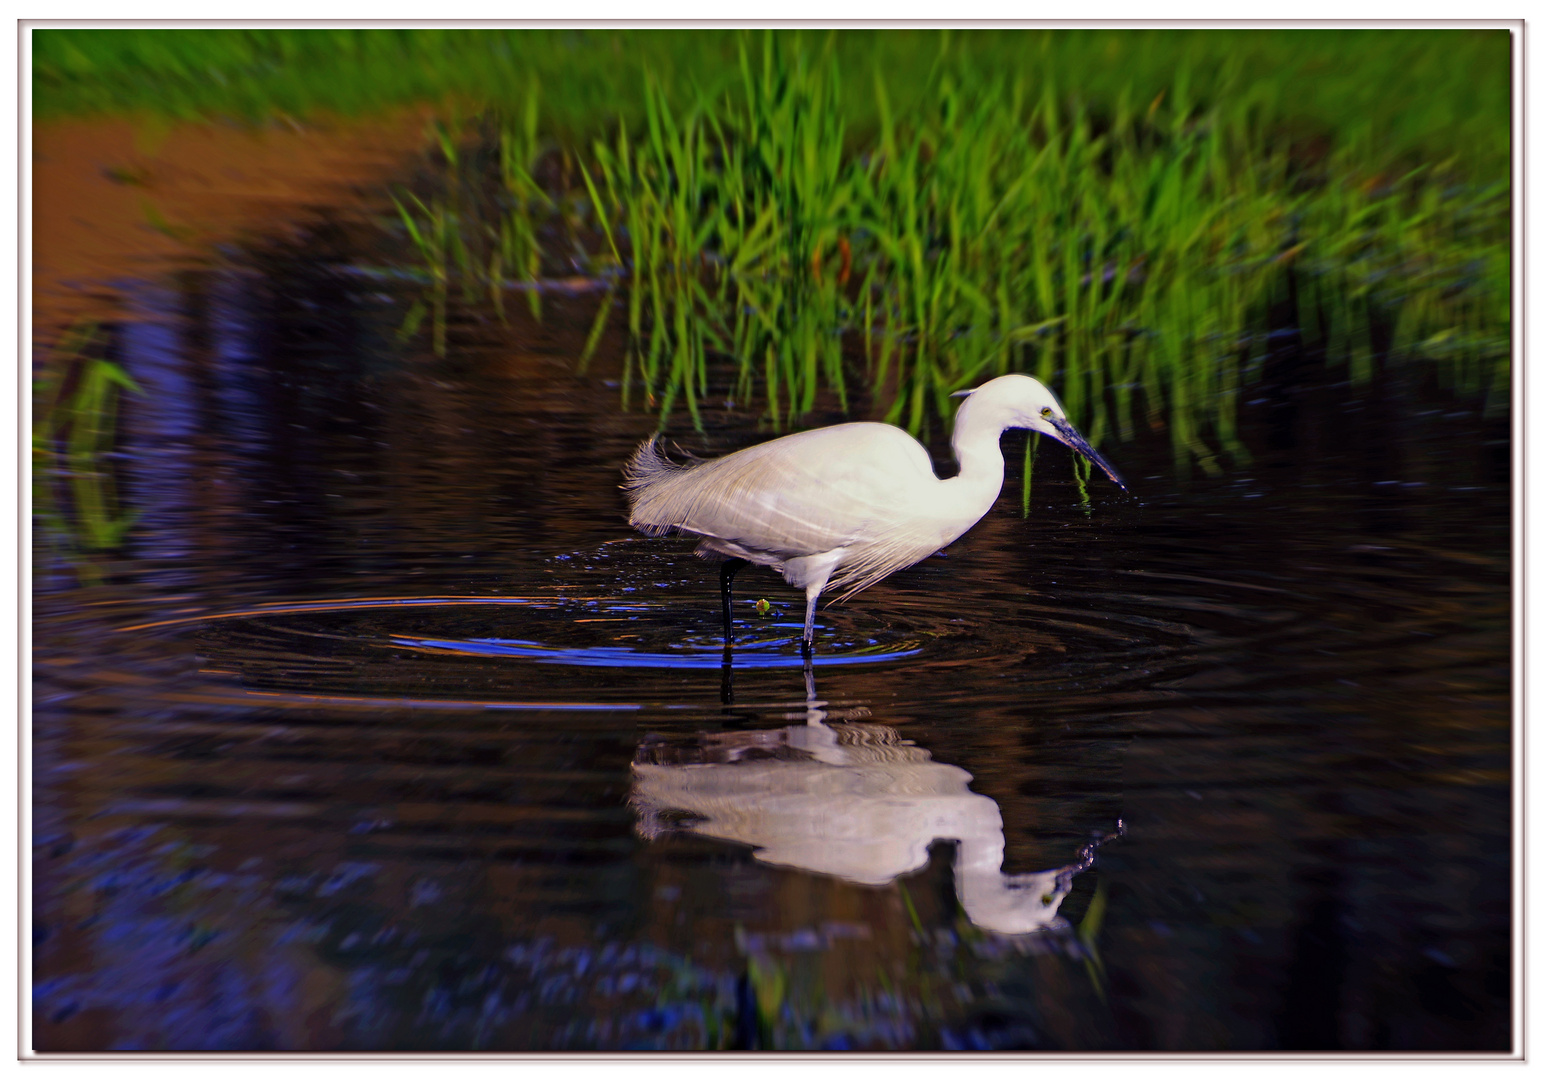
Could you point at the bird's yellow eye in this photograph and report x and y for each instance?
(1047, 413)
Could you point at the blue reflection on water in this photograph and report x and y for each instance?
(615, 656)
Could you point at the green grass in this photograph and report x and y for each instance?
(1125, 214)
(75, 400)
(1404, 91)
(1134, 258)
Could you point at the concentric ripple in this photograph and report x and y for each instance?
(627, 626)
(1095, 637)
(437, 650)
(755, 654)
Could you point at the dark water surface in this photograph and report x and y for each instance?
(382, 732)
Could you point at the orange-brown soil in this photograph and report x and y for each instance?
(113, 198)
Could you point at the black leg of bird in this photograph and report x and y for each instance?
(728, 570)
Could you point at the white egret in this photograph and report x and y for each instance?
(844, 505)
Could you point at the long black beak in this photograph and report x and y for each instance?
(1073, 439)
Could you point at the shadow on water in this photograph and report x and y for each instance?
(379, 732)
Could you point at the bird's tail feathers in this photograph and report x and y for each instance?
(653, 508)
(648, 464)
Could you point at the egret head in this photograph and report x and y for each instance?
(1019, 401)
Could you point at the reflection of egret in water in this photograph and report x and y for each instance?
(852, 800)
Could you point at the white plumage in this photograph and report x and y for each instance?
(842, 506)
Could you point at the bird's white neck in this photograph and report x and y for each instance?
(977, 452)
(975, 441)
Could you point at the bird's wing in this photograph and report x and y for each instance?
(834, 487)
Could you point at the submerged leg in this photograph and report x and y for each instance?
(816, 710)
(727, 687)
(728, 570)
